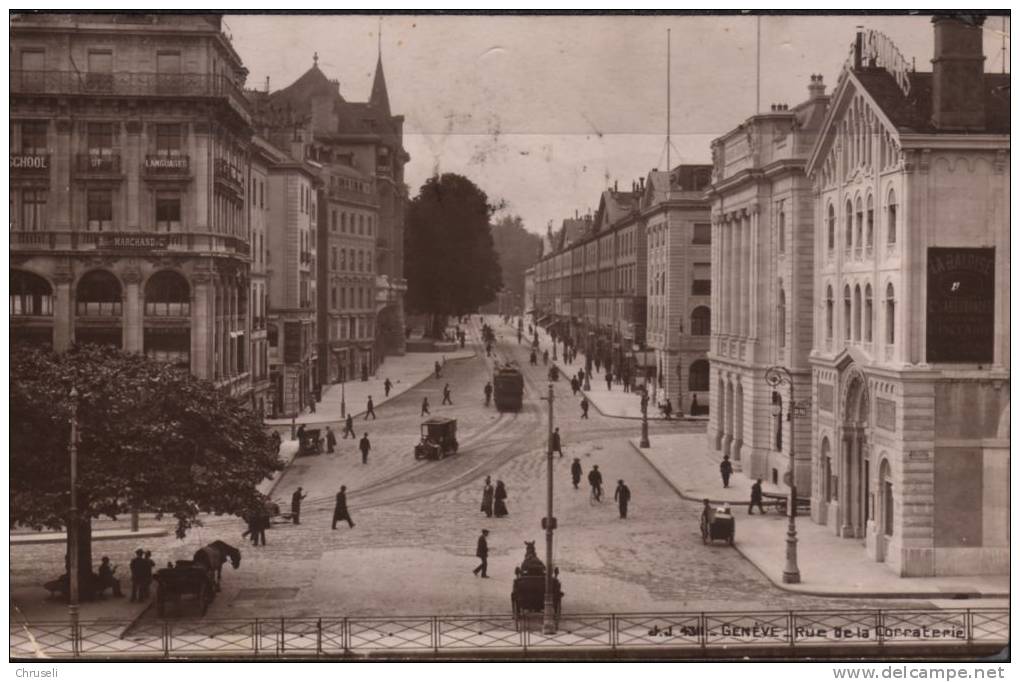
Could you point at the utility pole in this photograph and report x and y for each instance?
(73, 527)
(549, 611)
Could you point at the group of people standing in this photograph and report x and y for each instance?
(494, 499)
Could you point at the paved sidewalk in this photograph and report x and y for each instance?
(829, 565)
(404, 371)
(97, 535)
(31, 605)
(609, 402)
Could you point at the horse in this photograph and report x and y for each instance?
(214, 555)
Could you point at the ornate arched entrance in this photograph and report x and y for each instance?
(855, 455)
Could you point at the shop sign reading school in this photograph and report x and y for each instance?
(30, 162)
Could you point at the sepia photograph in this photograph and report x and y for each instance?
(509, 337)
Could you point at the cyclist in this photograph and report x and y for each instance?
(595, 480)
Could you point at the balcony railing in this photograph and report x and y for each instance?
(165, 164)
(167, 309)
(98, 308)
(228, 173)
(145, 242)
(122, 84)
(98, 164)
(345, 194)
(306, 256)
(30, 164)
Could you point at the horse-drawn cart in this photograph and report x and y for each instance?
(528, 595)
(185, 579)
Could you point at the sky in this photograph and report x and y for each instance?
(543, 113)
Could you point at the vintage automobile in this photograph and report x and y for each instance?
(528, 595)
(438, 438)
(310, 443)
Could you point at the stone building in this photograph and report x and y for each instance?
(762, 275)
(529, 290)
(910, 362)
(259, 201)
(130, 138)
(675, 215)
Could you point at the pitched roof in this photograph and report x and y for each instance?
(379, 98)
(913, 113)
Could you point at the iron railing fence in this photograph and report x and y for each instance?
(705, 632)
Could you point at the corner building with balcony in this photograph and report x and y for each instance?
(910, 364)
(762, 282)
(130, 142)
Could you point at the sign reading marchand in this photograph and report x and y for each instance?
(133, 241)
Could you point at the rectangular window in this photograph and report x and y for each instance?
(33, 60)
(100, 71)
(262, 195)
(361, 224)
(33, 209)
(168, 72)
(168, 139)
(168, 211)
(100, 139)
(702, 285)
(333, 298)
(99, 208)
(33, 137)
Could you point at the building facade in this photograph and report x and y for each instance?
(259, 201)
(763, 237)
(675, 214)
(910, 362)
(129, 179)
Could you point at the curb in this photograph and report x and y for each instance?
(821, 592)
(134, 621)
(35, 539)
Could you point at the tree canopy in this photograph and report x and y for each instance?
(151, 438)
(450, 263)
(518, 250)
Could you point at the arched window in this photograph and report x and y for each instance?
(98, 294)
(848, 221)
(847, 312)
(781, 322)
(829, 304)
(701, 321)
(869, 313)
(890, 315)
(832, 227)
(30, 294)
(697, 376)
(891, 218)
(860, 223)
(858, 311)
(869, 235)
(782, 231)
(167, 293)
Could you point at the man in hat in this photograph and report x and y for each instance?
(138, 567)
(364, 445)
(295, 502)
(482, 552)
(340, 512)
(330, 440)
(622, 496)
(575, 472)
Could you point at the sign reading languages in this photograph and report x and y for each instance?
(961, 299)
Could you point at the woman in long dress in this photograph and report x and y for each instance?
(487, 493)
(500, 500)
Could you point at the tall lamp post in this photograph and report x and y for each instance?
(775, 377)
(72, 526)
(343, 393)
(549, 524)
(645, 443)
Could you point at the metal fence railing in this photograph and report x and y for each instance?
(792, 631)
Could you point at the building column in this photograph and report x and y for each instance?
(61, 211)
(727, 425)
(132, 320)
(132, 161)
(755, 285)
(200, 326)
(63, 312)
(726, 272)
(745, 275)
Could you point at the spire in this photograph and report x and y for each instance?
(380, 99)
(315, 59)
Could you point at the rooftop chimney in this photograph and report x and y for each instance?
(616, 185)
(267, 83)
(816, 88)
(642, 181)
(858, 48)
(958, 93)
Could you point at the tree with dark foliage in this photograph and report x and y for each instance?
(450, 263)
(151, 437)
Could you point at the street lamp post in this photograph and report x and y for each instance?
(775, 377)
(72, 526)
(549, 605)
(343, 394)
(645, 443)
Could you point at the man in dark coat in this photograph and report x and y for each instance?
(138, 567)
(595, 481)
(147, 574)
(574, 385)
(349, 426)
(575, 472)
(425, 406)
(364, 445)
(725, 470)
(584, 407)
(487, 497)
(330, 440)
(295, 504)
(488, 392)
(262, 521)
(340, 512)
(555, 445)
(756, 498)
(387, 385)
(370, 409)
(622, 495)
(482, 552)
(277, 441)
(446, 395)
(437, 366)
(609, 380)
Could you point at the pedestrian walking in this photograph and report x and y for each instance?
(726, 470)
(554, 445)
(756, 498)
(262, 522)
(534, 358)
(487, 497)
(595, 481)
(349, 426)
(545, 357)
(580, 375)
(425, 406)
(137, 567)
(438, 367)
(609, 380)
(695, 408)
(622, 496)
(488, 392)
(482, 552)
(500, 496)
(301, 434)
(598, 364)
(446, 395)
(575, 472)
(147, 574)
(364, 445)
(369, 409)
(584, 407)
(574, 385)
(277, 441)
(330, 440)
(295, 505)
(311, 404)
(387, 385)
(340, 512)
